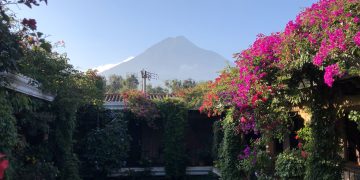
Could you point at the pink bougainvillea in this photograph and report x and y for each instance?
(141, 106)
(323, 35)
(335, 41)
(246, 125)
(252, 63)
(321, 54)
(290, 28)
(330, 72)
(357, 39)
(356, 20)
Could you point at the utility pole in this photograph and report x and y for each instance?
(147, 75)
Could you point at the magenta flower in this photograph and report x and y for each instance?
(337, 40)
(290, 28)
(242, 120)
(356, 20)
(330, 72)
(357, 39)
(338, 12)
(321, 54)
(312, 39)
(246, 153)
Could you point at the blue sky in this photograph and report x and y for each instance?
(109, 31)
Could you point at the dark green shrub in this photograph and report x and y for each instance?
(174, 116)
(107, 148)
(230, 149)
(38, 170)
(217, 139)
(355, 116)
(290, 165)
(324, 161)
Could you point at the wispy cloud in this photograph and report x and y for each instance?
(105, 67)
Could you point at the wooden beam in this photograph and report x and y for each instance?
(25, 85)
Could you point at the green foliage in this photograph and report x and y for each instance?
(107, 148)
(156, 89)
(8, 130)
(285, 71)
(130, 82)
(65, 110)
(174, 116)
(37, 171)
(31, 157)
(37, 136)
(142, 107)
(218, 135)
(290, 165)
(256, 161)
(273, 118)
(175, 84)
(230, 149)
(10, 51)
(114, 84)
(217, 98)
(324, 161)
(77, 90)
(305, 135)
(7, 124)
(74, 89)
(355, 116)
(117, 84)
(264, 167)
(193, 96)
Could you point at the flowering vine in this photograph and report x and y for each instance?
(320, 46)
(142, 107)
(323, 34)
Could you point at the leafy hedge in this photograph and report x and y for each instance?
(174, 117)
(218, 134)
(290, 165)
(107, 148)
(229, 150)
(37, 136)
(8, 130)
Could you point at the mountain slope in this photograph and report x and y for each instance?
(173, 58)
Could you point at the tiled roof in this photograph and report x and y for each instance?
(117, 97)
(160, 96)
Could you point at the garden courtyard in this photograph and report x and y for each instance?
(289, 108)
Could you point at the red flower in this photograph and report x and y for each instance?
(242, 120)
(304, 154)
(300, 145)
(296, 137)
(30, 23)
(4, 164)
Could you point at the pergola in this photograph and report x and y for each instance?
(25, 85)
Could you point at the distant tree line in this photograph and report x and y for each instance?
(117, 84)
